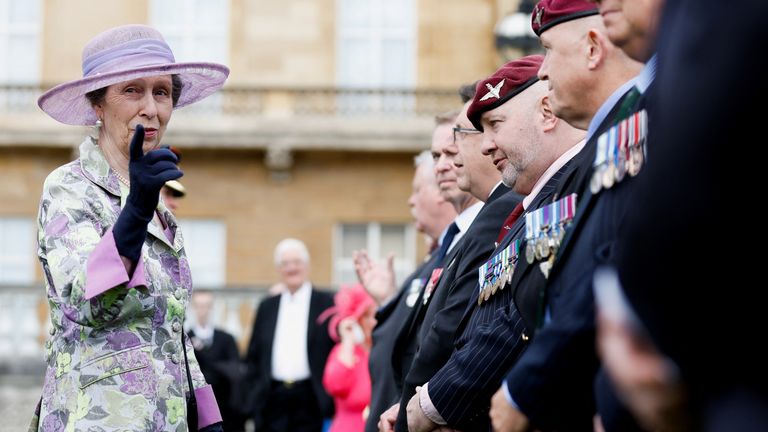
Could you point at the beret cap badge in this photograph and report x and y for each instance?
(537, 17)
(493, 91)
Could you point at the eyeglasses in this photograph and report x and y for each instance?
(461, 133)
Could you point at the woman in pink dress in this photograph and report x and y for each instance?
(346, 376)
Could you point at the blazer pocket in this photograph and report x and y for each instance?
(107, 365)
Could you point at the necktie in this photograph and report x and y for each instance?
(509, 221)
(453, 229)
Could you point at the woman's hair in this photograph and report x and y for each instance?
(97, 96)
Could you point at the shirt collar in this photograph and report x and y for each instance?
(465, 218)
(555, 167)
(302, 294)
(647, 75)
(607, 106)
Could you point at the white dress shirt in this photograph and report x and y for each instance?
(290, 361)
(464, 220)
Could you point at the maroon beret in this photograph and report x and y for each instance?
(549, 13)
(509, 80)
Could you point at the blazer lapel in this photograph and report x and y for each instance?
(498, 193)
(271, 326)
(314, 312)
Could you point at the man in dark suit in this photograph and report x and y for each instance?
(216, 351)
(678, 286)
(467, 207)
(432, 215)
(551, 386)
(530, 147)
(288, 350)
(432, 326)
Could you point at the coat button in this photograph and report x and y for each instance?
(52, 331)
(525, 337)
(175, 358)
(178, 294)
(176, 326)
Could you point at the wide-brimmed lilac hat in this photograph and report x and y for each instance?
(122, 54)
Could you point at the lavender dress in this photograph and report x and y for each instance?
(114, 359)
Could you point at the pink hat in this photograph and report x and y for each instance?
(125, 53)
(351, 301)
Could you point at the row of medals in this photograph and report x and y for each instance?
(496, 280)
(620, 151)
(545, 239)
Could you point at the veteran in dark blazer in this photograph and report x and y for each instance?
(696, 123)
(432, 326)
(288, 350)
(553, 382)
(691, 121)
(530, 147)
(444, 151)
(432, 215)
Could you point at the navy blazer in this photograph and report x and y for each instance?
(491, 338)
(476, 241)
(390, 318)
(553, 383)
(434, 323)
(693, 289)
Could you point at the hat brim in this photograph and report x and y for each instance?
(177, 189)
(67, 102)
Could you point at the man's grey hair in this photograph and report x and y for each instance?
(424, 158)
(291, 244)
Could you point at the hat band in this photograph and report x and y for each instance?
(135, 53)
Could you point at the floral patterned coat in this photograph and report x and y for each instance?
(114, 359)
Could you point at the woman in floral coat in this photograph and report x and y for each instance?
(116, 272)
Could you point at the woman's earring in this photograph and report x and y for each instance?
(97, 130)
